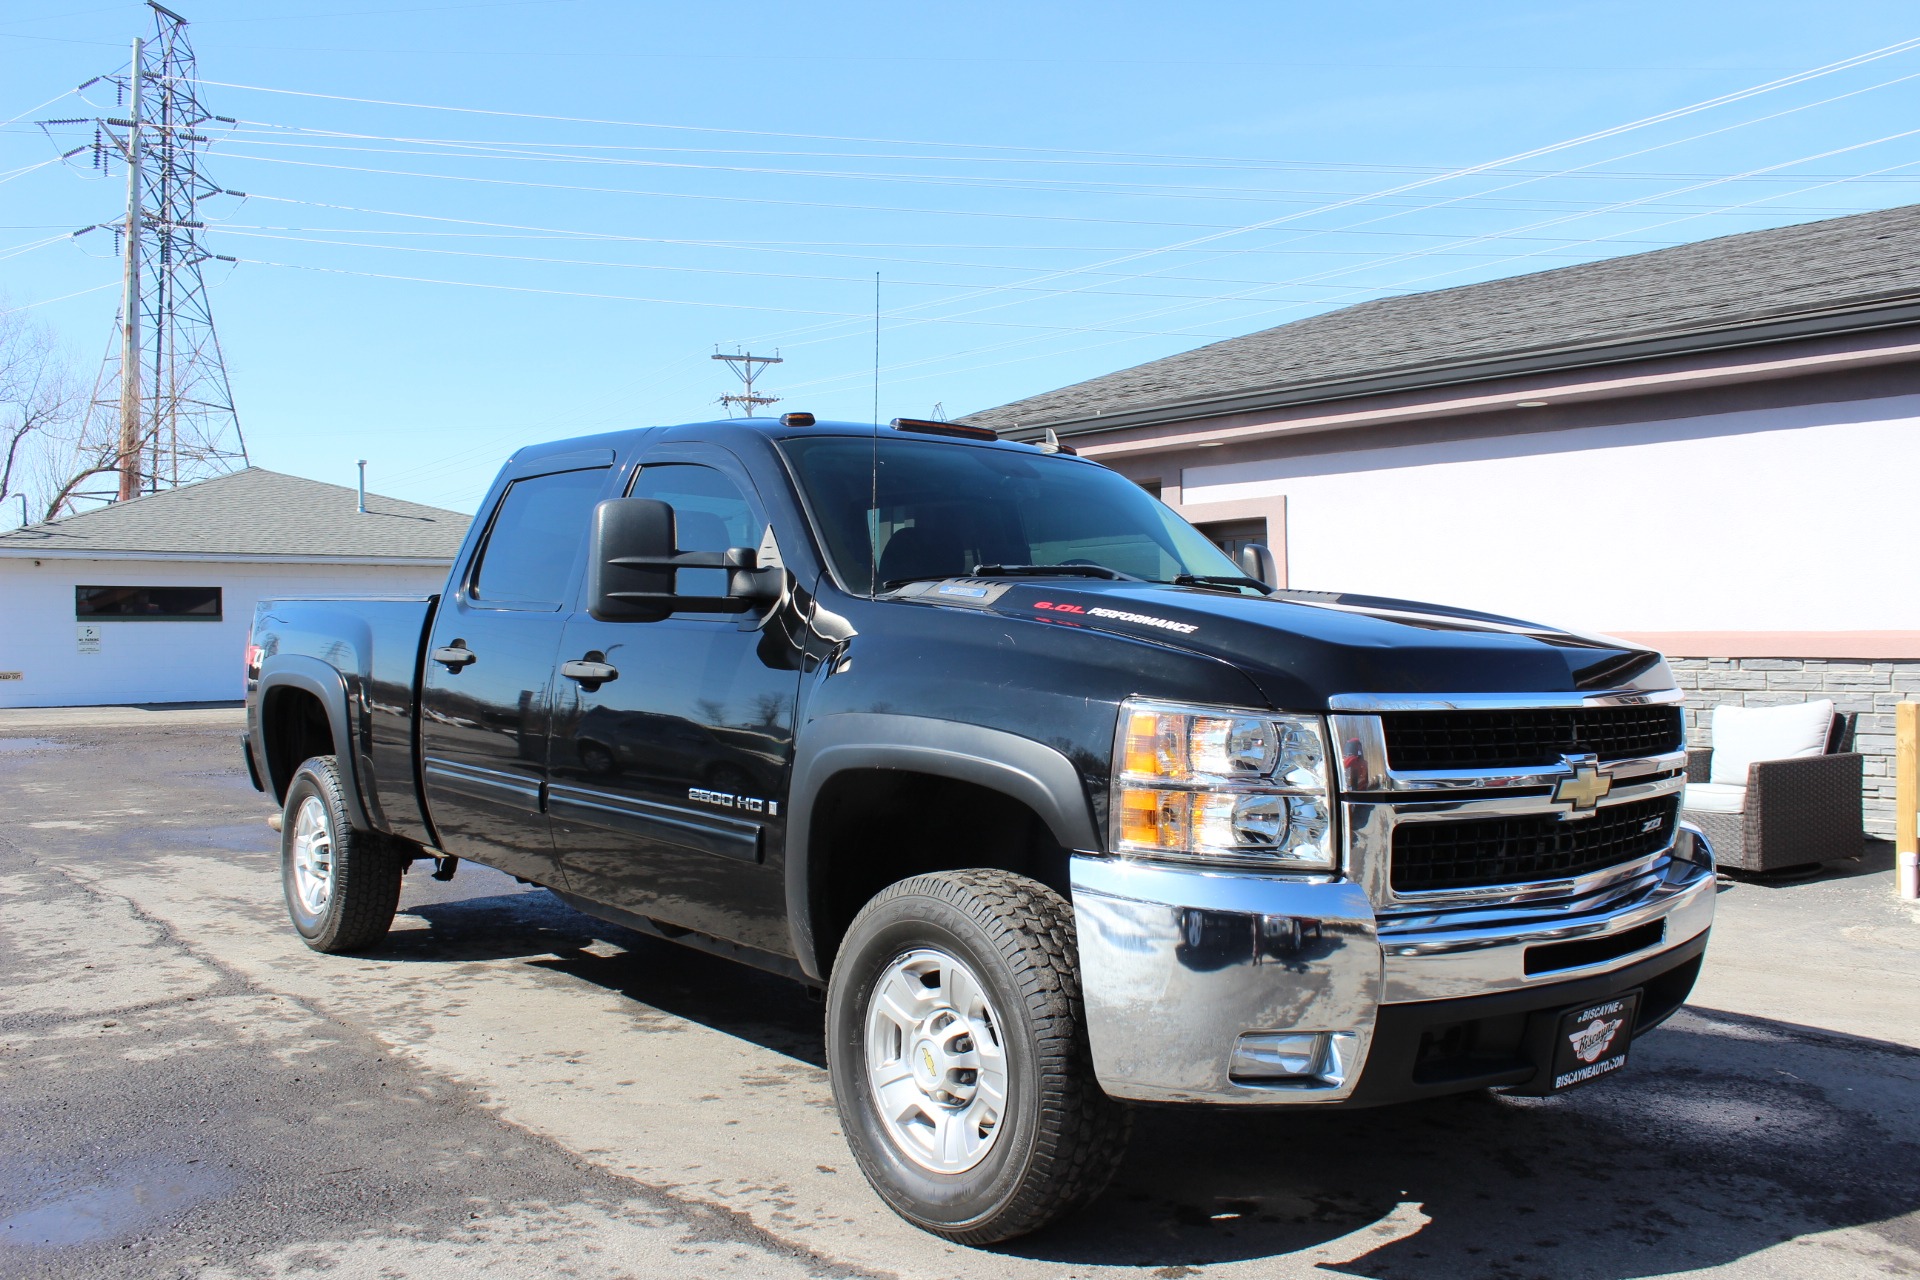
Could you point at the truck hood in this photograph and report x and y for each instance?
(1303, 647)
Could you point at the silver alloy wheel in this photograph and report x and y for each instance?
(936, 1061)
(312, 856)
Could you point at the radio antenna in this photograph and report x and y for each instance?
(873, 495)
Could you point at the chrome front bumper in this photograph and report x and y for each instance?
(1177, 965)
(1181, 965)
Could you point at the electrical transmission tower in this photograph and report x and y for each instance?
(748, 367)
(162, 412)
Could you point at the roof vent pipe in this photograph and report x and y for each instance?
(362, 508)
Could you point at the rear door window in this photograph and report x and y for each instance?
(535, 542)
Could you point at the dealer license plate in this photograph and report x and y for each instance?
(1592, 1040)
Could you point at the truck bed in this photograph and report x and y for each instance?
(375, 645)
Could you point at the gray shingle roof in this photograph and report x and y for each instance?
(1709, 287)
(254, 512)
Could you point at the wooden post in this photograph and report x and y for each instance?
(1906, 791)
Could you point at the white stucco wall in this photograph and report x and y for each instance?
(142, 661)
(1788, 519)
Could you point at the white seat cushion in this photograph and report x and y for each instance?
(1742, 735)
(1714, 797)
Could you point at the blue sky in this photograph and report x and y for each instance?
(1048, 192)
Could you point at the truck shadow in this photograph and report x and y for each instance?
(767, 1010)
(1729, 1135)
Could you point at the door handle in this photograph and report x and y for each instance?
(454, 656)
(589, 672)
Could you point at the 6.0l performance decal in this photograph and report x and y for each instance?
(1165, 624)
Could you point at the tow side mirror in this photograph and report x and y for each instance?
(631, 561)
(1257, 562)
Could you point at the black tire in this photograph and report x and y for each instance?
(364, 885)
(597, 759)
(1060, 1138)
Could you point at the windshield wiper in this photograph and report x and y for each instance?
(1051, 571)
(1219, 580)
(1018, 571)
(894, 584)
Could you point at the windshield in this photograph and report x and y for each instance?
(939, 510)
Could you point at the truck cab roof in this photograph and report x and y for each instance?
(723, 430)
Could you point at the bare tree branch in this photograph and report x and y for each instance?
(42, 414)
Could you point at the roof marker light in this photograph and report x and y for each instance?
(796, 419)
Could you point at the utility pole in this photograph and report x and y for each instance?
(748, 368)
(129, 452)
(162, 412)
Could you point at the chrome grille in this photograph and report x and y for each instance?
(1518, 848)
(1503, 738)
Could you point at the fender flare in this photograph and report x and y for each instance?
(295, 671)
(1039, 776)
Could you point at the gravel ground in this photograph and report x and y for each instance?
(185, 1089)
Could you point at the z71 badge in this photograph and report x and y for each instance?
(727, 800)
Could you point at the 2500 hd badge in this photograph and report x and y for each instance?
(727, 800)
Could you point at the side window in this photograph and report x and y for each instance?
(709, 514)
(536, 537)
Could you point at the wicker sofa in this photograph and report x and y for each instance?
(1769, 814)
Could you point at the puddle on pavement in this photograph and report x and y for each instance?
(132, 1200)
(26, 745)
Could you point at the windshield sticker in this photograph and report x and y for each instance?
(1165, 624)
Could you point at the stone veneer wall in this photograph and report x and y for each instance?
(1866, 691)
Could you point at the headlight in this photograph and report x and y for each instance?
(1247, 788)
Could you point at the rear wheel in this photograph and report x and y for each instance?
(959, 1057)
(342, 885)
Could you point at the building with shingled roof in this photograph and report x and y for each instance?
(150, 600)
(1699, 448)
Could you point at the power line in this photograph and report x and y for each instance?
(227, 229)
(1614, 131)
(1355, 290)
(1780, 82)
(1495, 169)
(683, 302)
(609, 235)
(820, 249)
(246, 126)
(1160, 191)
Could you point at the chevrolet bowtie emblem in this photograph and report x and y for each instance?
(1586, 787)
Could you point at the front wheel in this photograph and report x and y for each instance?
(959, 1059)
(342, 885)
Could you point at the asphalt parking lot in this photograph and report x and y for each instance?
(186, 1089)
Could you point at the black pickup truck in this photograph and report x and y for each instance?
(1063, 809)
